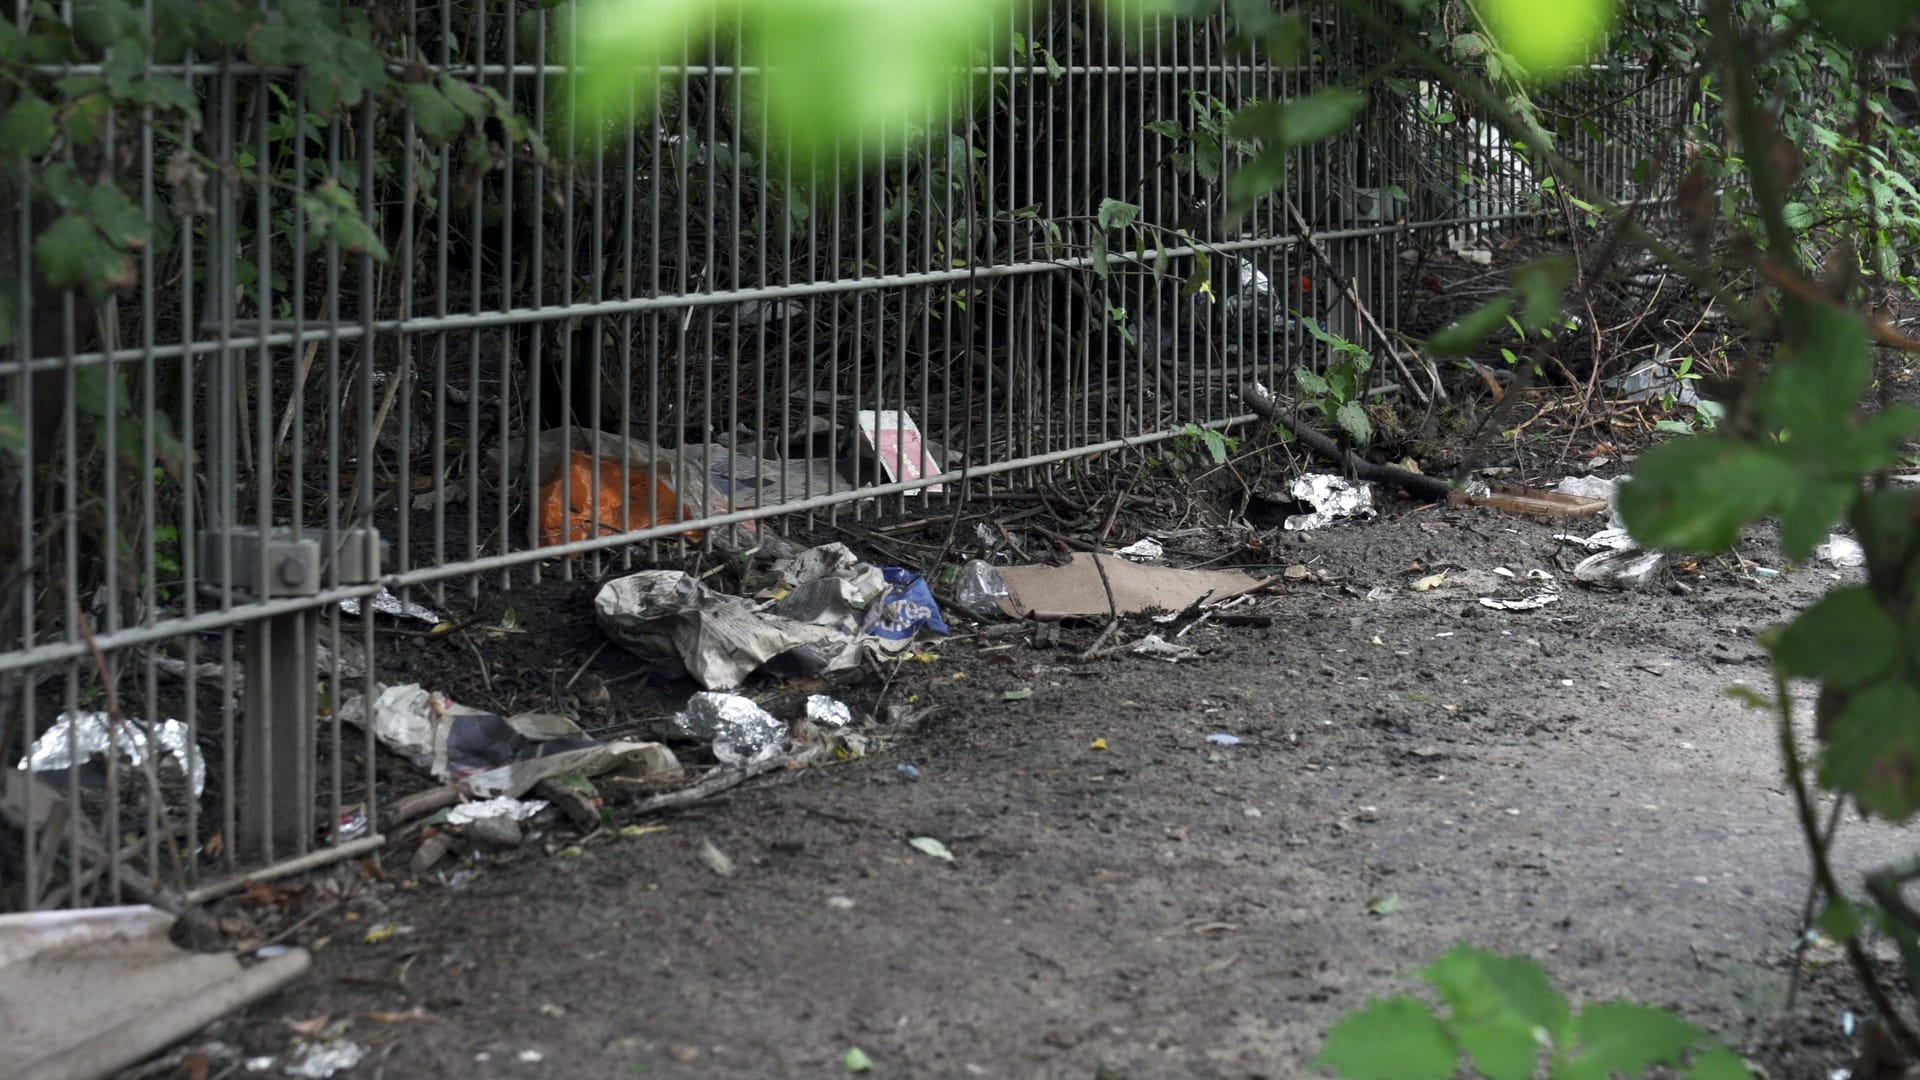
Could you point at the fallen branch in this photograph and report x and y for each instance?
(1260, 400)
(713, 785)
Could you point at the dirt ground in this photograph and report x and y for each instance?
(1127, 898)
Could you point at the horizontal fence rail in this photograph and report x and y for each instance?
(351, 365)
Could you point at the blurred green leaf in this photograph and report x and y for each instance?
(1873, 750)
(1395, 1038)
(1620, 1037)
(26, 128)
(1465, 334)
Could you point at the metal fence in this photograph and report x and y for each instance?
(593, 354)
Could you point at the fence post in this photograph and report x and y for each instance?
(278, 736)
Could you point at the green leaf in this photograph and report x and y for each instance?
(1845, 640)
(1840, 920)
(437, 118)
(1395, 1038)
(463, 97)
(1695, 494)
(72, 253)
(99, 391)
(1540, 284)
(26, 129)
(1502, 1007)
(1170, 128)
(1353, 419)
(85, 119)
(1099, 254)
(1253, 180)
(12, 44)
(1465, 334)
(1798, 215)
(117, 218)
(13, 433)
(1620, 1037)
(1873, 751)
(857, 1060)
(1863, 23)
(1115, 214)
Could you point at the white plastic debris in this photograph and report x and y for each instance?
(1331, 497)
(1156, 646)
(1841, 551)
(742, 732)
(323, 1059)
(502, 806)
(1146, 549)
(1626, 568)
(1604, 540)
(1221, 738)
(80, 737)
(1597, 487)
(1524, 603)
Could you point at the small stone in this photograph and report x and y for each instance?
(498, 833)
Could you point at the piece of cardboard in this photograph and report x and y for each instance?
(1074, 590)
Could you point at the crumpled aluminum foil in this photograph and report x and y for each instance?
(323, 1059)
(828, 714)
(386, 603)
(1144, 550)
(502, 806)
(742, 732)
(1332, 498)
(88, 734)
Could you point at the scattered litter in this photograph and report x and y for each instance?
(1605, 540)
(1598, 488)
(1841, 551)
(902, 454)
(1503, 571)
(1628, 568)
(927, 845)
(1075, 589)
(385, 603)
(980, 592)
(758, 312)
(1383, 905)
(1223, 739)
(1652, 380)
(1430, 582)
(1017, 695)
(1160, 648)
(908, 771)
(1764, 571)
(323, 1059)
(76, 738)
(715, 859)
(633, 832)
(858, 1061)
(1525, 603)
(499, 807)
(840, 903)
(835, 608)
(532, 1057)
(742, 732)
(1098, 744)
(1145, 550)
(1332, 498)
(492, 755)
(750, 480)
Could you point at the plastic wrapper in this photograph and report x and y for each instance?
(742, 732)
(980, 590)
(320, 1060)
(831, 609)
(88, 735)
(1332, 498)
(1841, 551)
(491, 755)
(1628, 568)
(1146, 549)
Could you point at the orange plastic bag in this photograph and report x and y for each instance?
(584, 520)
